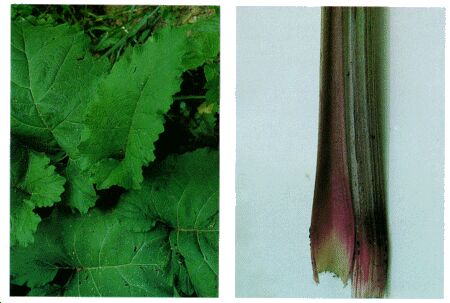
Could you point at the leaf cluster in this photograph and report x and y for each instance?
(105, 201)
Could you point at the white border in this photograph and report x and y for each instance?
(235, 3)
(447, 165)
(4, 141)
(227, 139)
(227, 150)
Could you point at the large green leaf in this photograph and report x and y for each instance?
(38, 186)
(183, 193)
(52, 79)
(126, 117)
(105, 258)
(127, 114)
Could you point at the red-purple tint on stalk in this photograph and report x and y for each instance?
(369, 271)
(332, 226)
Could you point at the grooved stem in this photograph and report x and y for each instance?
(349, 234)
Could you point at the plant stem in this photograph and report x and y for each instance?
(349, 234)
(132, 31)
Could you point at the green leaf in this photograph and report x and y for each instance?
(80, 193)
(212, 75)
(182, 192)
(20, 10)
(183, 284)
(40, 186)
(19, 161)
(105, 258)
(24, 221)
(127, 115)
(204, 44)
(52, 78)
(41, 181)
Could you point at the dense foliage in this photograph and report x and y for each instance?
(114, 161)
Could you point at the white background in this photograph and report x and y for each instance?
(277, 124)
(228, 136)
